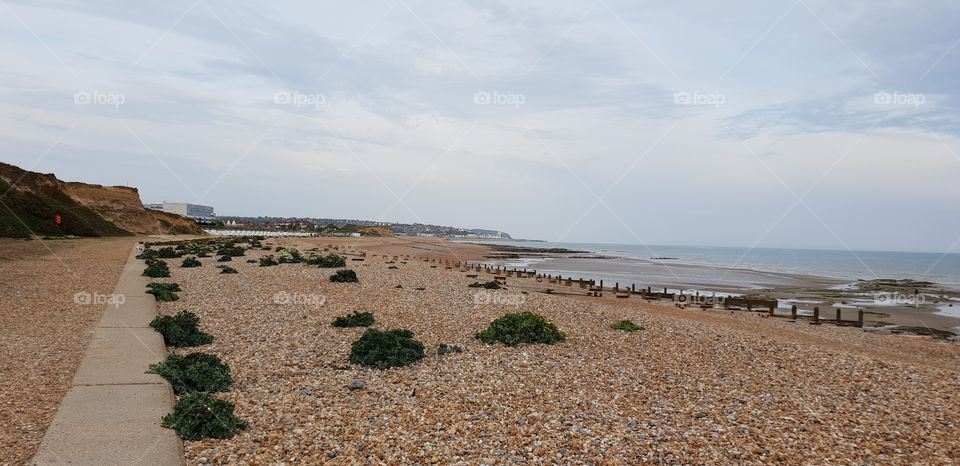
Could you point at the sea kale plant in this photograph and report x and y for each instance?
(195, 372)
(521, 327)
(198, 416)
(232, 251)
(191, 262)
(344, 276)
(182, 329)
(357, 319)
(289, 256)
(487, 285)
(444, 349)
(626, 326)
(328, 261)
(386, 349)
(165, 292)
(268, 261)
(156, 268)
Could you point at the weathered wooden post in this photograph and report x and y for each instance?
(601, 285)
(816, 315)
(616, 287)
(633, 287)
(793, 312)
(860, 318)
(838, 316)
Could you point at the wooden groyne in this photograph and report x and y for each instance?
(766, 307)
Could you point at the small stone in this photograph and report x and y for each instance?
(357, 385)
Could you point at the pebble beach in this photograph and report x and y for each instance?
(49, 297)
(695, 386)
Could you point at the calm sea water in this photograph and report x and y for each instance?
(844, 265)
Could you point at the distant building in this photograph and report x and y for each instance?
(200, 213)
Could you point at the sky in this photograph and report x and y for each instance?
(799, 123)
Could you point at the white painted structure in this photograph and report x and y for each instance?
(269, 233)
(194, 211)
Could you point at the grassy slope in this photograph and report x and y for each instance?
(33, 213)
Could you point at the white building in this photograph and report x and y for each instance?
(194, 211)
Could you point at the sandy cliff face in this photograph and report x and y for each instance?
(33, 201)
(121, 206)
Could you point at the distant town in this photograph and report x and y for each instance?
(306, 226)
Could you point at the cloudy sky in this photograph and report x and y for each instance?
(797, 123)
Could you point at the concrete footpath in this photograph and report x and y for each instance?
(112, 412)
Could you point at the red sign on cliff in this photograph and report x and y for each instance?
(57, 219)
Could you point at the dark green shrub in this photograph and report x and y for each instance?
(147, 254)
(156, 269)
(357, 319)
(521, 327)
(329, 261)
(626, 326)
(167, 253)
(165, 292)
(289, 256)
(198, 416)
(227, 269)
(182, 329)
(487, 285)
(232, 251)
(443, 349)
(191, 262)
(224, 259)
(382, 350)
(344, 276)
(195, 372)
(268, 261)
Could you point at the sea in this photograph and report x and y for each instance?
(755, 267)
